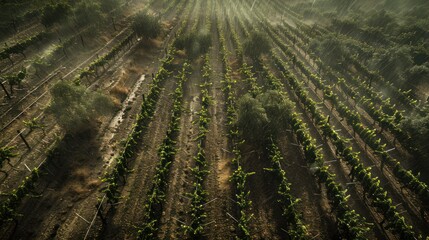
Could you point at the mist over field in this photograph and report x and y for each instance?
(214, 119)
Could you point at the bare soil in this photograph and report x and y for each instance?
(63, 205)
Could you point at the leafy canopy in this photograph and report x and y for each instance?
(264, 116)
(256, 45)
(54, 13)
(75, 108)
(87, 12)
(194, 44)
(145, 25)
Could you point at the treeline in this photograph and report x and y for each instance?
(14, 14)
(393, 35)
(381, 45)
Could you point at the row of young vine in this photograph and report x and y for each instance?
(10, 205)
(406, 177)
(403, 96)
(350, 225)
(21, 46)
(106, 58)
(371, 185)
(295, 228)
(386, 115)
(239, 176)
(131, 142)
(153, 206)
(195, 229)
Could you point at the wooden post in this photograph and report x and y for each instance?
(23, 139)
(14, 25)
(113, 22)
(81, 40)
(4, 88)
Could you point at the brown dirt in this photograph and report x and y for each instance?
(71, 186)
(219, 159)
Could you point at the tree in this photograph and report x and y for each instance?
(256, 45)
(420, 54)
(54, 13)
(380, 19)
(331, 50)
(418, 127)
(342, 5)
(252, 120)
(145, 25)
(264, 116)
(195, 44)
(412, 33)
(109, 5)
(345, 26)
(87, 12)
(417, 74)
(40, 64)
(75, 109)
(393, 63)
(278, 110)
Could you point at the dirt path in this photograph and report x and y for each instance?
(34, 139)
(67, 193)
(267, 220)
(70, 189)
(130, 212)
(180, 180)
(219, 160)
(314, 204)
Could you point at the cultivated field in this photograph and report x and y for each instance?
(209, 119)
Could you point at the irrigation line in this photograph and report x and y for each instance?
(95, 216)
(44, 93)
(82, 63)
(49, 77)
(44, 160)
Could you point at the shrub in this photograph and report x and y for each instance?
(147, 26)
(195, 44)
(262, 117)
(252, 120)
(87, 12)
(54, 13)
(75, 108)
(256, 45)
